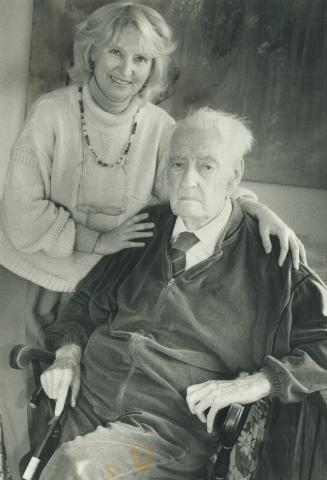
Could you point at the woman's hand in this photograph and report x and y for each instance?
(272, 224)
(217, 394)
(64, 374)
(122, 237)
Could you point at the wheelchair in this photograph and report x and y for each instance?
(231, 421)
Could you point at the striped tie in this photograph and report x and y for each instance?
(183, 242)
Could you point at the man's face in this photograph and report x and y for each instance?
(200, 175)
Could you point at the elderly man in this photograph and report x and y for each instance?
(161, 334)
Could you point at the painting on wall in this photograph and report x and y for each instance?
(265, 61)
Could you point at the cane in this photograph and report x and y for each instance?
(36, 458)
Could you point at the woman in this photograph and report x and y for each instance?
(89, 157)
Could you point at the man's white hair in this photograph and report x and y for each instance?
(233, 134)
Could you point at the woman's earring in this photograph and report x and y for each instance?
(92, 64)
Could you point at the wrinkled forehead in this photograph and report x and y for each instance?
(192, 141)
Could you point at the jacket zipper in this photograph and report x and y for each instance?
(161, 298)
(134, 341)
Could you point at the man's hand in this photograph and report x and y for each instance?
(63, 374)
(217, 394)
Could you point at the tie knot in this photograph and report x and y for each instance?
(184, 241)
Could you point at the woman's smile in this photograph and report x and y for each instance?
(122, 68)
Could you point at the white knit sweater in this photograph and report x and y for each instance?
(57, 198)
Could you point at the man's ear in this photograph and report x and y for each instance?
(236, 175)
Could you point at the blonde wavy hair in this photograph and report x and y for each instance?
(107, 24)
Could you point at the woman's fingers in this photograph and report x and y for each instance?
(284, 245)
(303, 255)
(134, 244)
(137, 218)
(295, 250)
(132, 235)
(141, 226)
(265, 237)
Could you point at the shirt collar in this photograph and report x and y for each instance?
(210, 233)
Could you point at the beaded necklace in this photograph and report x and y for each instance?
(123, 157)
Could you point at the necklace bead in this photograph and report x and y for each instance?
(122, 159)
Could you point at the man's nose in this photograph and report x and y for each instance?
(126, 67)
(190, 177)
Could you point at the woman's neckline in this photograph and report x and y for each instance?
(104, 102)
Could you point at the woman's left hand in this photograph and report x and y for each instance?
(214, 395)
(272, 224)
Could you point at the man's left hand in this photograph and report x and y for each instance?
(217, 394)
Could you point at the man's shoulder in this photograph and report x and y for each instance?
(269, 262)
(158, 211)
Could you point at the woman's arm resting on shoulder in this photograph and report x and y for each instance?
(271, 224)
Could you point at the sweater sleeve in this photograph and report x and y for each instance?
(32, 221)
(304, 369)
(241, 192)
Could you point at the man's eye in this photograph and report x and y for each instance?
(177, 164)
(207, 167)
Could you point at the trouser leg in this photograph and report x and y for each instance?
(121, 451)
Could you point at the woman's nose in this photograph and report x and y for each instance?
(126, 67)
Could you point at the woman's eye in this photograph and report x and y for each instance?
(115, 51)
(142, 59)
(207, 167)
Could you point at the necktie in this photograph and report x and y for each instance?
(183, 242)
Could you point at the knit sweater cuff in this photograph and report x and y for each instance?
(85, 239)
(273, 379)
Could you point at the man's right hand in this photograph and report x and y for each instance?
(64, 374)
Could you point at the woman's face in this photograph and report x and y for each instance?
(122, 68)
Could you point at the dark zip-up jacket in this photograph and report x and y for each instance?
(147, 336)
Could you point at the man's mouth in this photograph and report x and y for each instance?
(189, 199)
(120, 82)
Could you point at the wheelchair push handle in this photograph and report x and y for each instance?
(22, 355)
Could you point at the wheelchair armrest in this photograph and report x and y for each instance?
(22, 355)
(234, 418)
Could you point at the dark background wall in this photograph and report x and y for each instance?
(265, 60)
